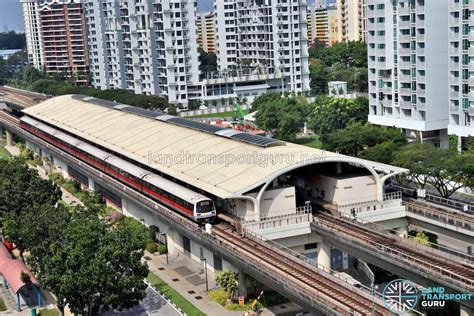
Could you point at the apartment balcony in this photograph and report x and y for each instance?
(386, 90)
(403, 11)
(405, 91)
(404, 78)
(404, 64)
(421, 92)
(404, 51)
(471, 81)
(405, 104)
(454, 95)
(454, 109)
(420, 23)
(471, 66)
(454, 6)
(421, 79)
(404, 24)
(454, 51)
(405, 38)
(387, 103)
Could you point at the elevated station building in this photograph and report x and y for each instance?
(271, 187)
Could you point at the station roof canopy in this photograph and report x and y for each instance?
(223, 162)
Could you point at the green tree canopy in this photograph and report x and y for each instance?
(12, 40)
(284, 116)
(330, 114)
(94, 265)
(227, 280)
(358, 137)
(447, 171)
(208, 62)
(21, 188)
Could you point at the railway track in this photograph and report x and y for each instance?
(20, 98)
(458, 271)
(441, 211)
(346, 300)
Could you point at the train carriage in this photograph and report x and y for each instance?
(181, 199)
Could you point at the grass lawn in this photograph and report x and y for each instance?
(214, 115)
(48, 312)
(174, 296)
(4, 154)
(3, 307)
(312, 141)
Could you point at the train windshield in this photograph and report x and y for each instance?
(204, 207)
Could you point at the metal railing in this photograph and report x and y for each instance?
(458, 205)
(438, 215)
(299, 215)
(343, 280)
(409, 259)
(193, 228)
(390, 200)
(435, 249)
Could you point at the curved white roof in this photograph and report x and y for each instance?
(220, 165)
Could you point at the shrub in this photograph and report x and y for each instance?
(227, 280)
(162, 249)
(219, 296)
(152, 247)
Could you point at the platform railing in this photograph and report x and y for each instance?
(435, 249)
(407, 258)
(456, 220)
(299, 215)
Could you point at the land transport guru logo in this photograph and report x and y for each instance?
(400, 296)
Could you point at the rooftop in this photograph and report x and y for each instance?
(223, 162)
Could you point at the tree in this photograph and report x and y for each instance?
(421, 238)
(25, 278)
(94, 265)
(284, 116)
(445, 170)
(358, 138)
(21, 188)
(12, 40)
(227, 280)
(208, 62)
(329, 114)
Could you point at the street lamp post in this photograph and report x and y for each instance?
(166, 243)
(205, 270)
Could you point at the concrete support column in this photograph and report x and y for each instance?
(324, 255)
(443, 138)
(403, 231)
(1, 132)
(243, 284)
(9, 138)
(465, 310)
(459, 143)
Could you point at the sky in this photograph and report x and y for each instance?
(11, 17)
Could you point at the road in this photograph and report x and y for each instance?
(153, 305)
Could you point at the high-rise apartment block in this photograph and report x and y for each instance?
(56, 42)
(322, 25)
(408, 66)
(146, 47)
(266, 34)
(33, 32)
(205, 25)
(351, 20)
(461, 70)
(63, 40)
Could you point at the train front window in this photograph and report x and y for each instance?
(204, 207)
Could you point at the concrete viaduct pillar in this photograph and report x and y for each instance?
(1, 132)
(465, 310)
(9, 138)
(324, 255)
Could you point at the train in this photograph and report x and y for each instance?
(193, 205)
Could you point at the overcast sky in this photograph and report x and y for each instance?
(11, 17)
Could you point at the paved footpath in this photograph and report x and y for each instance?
(196, 294)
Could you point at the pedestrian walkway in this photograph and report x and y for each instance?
(187, 277)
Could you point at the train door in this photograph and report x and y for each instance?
(336, 259)
(187, 246)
